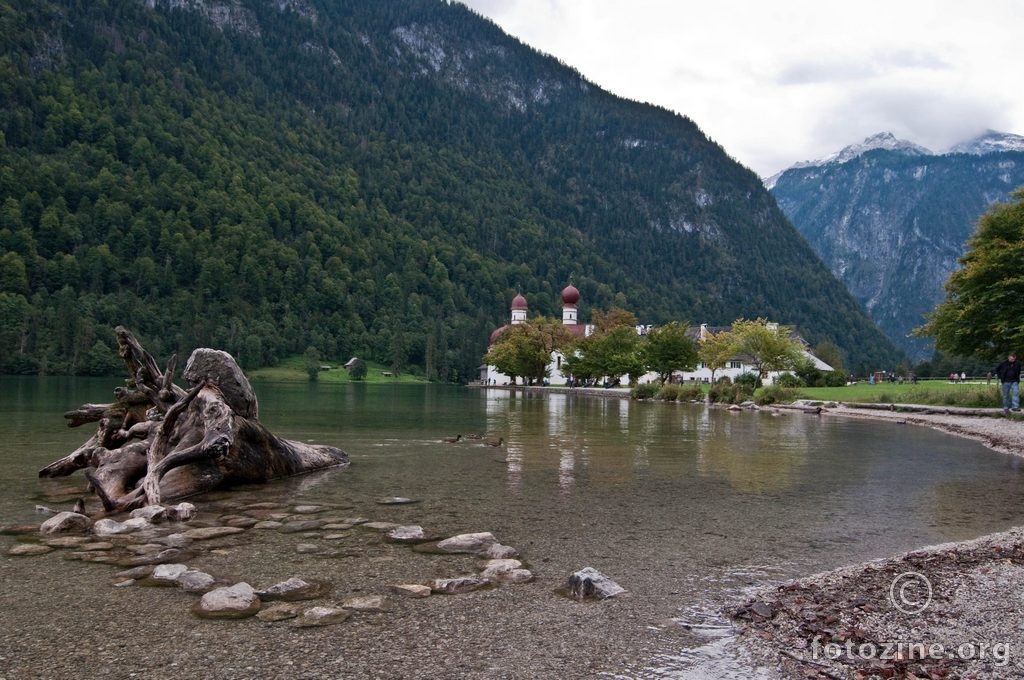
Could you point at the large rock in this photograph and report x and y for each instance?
(232, 602)
(589, 583)
(220, 368)
(322, 616)
(65, 523)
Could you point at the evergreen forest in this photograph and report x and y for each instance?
(356, 178)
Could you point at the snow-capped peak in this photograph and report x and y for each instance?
(990, 142)
(882, 140)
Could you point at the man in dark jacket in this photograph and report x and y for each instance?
(1009, 376)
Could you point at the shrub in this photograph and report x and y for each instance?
(750, 380)
(690, 393)
(730, 394)
(789, 380)
(645, 391)
(776, 394)
(668, 392)
(835, 379)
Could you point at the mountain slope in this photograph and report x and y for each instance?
(360, 178)
(892, 222)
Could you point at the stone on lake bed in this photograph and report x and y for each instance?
(206, 533)
(395, 500)
(307, 548)
(296, 526)
(380, 526)
(111, 527)
(368, 603)
(182, 512)
(67, 541)
(497, 551)
(195, 581)
(167, 574)
(322, 616)
(411, 590)
(589, 583)
(28, 549)
(294, 590)
(278, 611)
(458, 585)
(136, 572)
(231, 602)
(467, 543)
(268, 524)
(406, 534)
(154, 513)
(309, 509)
(65, 523)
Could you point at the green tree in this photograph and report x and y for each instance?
(524, 349)
(770, 346)
(982, 314)
(357, 369)
(609, 354)
(667, 348)
(311, 360)
(715, 350)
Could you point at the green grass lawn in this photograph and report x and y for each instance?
(932, 392)
(293, 369)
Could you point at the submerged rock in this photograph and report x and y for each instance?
(232, 602)
(294, 590)
(154, 513)
(407, 534)
(322, 616)
(589, 583)
(458, 585)
(278, 611)
(28, 549)
(65, 523)
(414, 590)
(468, 543)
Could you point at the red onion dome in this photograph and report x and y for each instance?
(570, 295)
(519, 302)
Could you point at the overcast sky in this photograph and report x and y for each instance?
(780, 82)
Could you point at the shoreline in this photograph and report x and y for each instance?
(866, 620)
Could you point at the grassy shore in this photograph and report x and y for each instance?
(932, 392)
(293, 369)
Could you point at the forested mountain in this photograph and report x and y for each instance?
(892, 219)
(360, 177)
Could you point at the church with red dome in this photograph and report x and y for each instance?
(570, 295)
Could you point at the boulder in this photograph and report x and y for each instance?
(294, 590)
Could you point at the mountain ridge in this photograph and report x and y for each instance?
(352, 178)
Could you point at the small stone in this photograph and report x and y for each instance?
(278, 611)
(232, 602)
(195, 581)
(307, 548)
(467, 543)
(589, 583)
(458, 585)
(28, 549)
(154, 513)
(125, 583)
(369, 603)
(64, 523)
(301, 525)
(242, 522)
(167, 574)
(395, 500)
(206, 533)
(414, 590)
(380, 526)
(268, 524)
(407, 534)
(322, 616)
(497, 551)
(66, 541)
(494, 570)
(295, 589)
(182, 512)
(309, 509)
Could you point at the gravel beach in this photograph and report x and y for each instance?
(948, 611)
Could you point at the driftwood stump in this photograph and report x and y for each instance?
(159, 442)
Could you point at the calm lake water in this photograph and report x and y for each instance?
(685, 506)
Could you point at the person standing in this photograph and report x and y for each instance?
(1008, 373)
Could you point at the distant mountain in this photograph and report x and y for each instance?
(891, 218)
(354, 177)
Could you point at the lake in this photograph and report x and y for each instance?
(687, 507)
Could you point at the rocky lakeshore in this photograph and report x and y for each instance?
(947, 611)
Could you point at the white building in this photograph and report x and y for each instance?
(489, 375)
